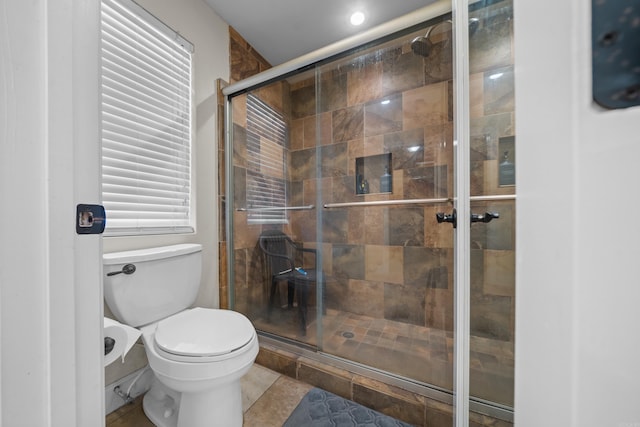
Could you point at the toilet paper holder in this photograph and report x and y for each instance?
(109, 344)
(118, 339)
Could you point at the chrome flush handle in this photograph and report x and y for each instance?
(127, 269)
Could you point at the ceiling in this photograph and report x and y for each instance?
(281, 30)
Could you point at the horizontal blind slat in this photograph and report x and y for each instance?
(155, 204)
(118, 83)
(134, 145)
(141, 75)
(123, 131)
(139, 173)
(125, 60)
(171, 119)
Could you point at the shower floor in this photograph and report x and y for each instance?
(414, 352)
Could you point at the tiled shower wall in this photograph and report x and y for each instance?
(378, 260)
(394, 262)
(386, 262)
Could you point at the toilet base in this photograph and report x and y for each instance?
(219, 407)
(161, 405)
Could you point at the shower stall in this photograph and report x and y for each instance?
(387, 168)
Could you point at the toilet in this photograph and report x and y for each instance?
(198, 355)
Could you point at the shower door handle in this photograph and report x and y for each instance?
(486, 217)
(443, 217)
(452, 219)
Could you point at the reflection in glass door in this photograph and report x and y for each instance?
(274, 267)
(492, 190)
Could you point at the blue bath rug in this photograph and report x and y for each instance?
(319, 408)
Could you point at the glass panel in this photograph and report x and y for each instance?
(274, 268)
(492, 158)
(385, 135)
(365, 144)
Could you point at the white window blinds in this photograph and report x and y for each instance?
(266, 184)
(146, 123)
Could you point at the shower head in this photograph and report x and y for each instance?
(422, 45)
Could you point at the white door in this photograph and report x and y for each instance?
(50, 292)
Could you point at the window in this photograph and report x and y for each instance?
(266, 184)
(146, 123)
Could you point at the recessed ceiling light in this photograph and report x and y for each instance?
(496, 76)
(357, 18)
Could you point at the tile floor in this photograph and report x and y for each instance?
(268, 399)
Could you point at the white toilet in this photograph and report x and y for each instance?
(198, 355)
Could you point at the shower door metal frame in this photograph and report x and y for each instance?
(461, 193)
(461, 200)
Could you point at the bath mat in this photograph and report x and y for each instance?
(319, 408)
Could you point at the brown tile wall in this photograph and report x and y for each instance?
(245, 62)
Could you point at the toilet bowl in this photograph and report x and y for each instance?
(204, 363)
(198, 355)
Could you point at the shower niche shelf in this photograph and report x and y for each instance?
(374, 174)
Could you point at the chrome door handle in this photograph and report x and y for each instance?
(486, 217)
(452, 219)
(443, 217)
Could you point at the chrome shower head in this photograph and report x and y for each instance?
(422, 45)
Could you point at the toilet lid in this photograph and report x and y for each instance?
(204, 332)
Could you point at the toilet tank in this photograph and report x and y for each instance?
(165, 281)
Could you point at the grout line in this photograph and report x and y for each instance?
(266, 391)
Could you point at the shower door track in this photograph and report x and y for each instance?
(481, 406)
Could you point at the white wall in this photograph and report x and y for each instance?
(578, 286)
(199, 24)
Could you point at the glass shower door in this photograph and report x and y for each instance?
(355, 161)
(274, 266)
(492, 190)
(385, 158)
(385, 163)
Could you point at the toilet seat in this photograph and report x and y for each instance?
(202, 335)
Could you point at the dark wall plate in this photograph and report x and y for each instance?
(615, 38)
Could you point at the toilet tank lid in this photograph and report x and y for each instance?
(150, 254)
